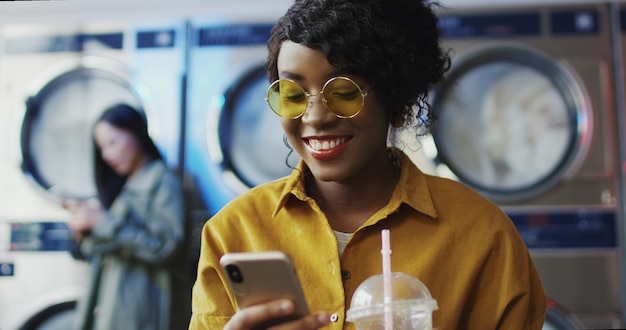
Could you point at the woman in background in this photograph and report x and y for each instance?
(133, 234)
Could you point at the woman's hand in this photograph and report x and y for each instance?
(251, 317)
(84, 215)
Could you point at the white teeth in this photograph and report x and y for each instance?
(326, 144)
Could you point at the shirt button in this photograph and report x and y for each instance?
(334, 318)
(345, 274)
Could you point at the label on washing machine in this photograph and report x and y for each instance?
(40, 236)
(156, 39)
(490, 25)
(234, 35)
(567, 228)
(574, 22)
(7, 269)
(64, 43)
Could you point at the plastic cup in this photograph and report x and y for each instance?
(411, 306)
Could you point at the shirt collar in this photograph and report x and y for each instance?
(294, 186)
(147, 176)
(412, 188)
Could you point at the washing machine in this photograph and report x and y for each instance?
(55, 80)
(618, 10)
(233, 141)
(525, 117)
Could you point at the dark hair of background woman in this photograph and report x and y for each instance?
(393, 44)
(123, 116)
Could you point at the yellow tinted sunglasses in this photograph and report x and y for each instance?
(340, 95)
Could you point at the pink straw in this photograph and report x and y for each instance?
(388, 300)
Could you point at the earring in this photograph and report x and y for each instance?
(286, 142)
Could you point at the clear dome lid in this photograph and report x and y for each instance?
(409, 295)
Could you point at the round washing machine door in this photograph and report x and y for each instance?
(251, 139)
(57, 317)
(55, 137)
(560, 318)
(512, 122)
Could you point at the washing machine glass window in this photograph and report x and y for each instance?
(250, 135)
(56, 141)
(510, 122)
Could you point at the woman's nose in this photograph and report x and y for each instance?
(316, 112)
(107, 154)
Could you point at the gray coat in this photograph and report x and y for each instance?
(137, 257)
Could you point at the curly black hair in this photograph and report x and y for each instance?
(393, 44)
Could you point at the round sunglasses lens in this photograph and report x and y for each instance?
(286, 98)
(343, 97)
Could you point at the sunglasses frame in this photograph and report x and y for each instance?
(321, 93)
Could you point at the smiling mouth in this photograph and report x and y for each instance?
(323, 145)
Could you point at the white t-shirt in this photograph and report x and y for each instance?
(342, 240)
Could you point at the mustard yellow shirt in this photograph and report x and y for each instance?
(463, 247)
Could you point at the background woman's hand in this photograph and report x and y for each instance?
(251, 317)
(84, 215)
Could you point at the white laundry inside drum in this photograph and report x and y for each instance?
(504, 126)
(525, 129)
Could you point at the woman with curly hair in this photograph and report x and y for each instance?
(346, 75)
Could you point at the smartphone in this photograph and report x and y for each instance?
(258, 277)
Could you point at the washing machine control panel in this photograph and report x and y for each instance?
(567, 228)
